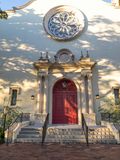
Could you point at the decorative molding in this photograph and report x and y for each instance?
(83, 66)
(64, 56)
(15, 87)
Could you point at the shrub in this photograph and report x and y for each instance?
(110, 111)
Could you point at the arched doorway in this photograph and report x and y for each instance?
(65, 109)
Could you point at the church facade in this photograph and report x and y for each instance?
(56, 57)
(65, 87)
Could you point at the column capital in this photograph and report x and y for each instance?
(87, 74)
(42, 74)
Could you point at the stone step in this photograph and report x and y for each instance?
(29, 132)
(53, 140)
(48, 140)
(64, 134)
(28, 136)
(24, 140)
(64, 137)
(65, 141)
(103, 141)
(30, 129)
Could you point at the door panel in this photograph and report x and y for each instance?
(65, 110)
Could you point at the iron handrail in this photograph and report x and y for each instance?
(44, 128)
(110, 117)
(5, 112)
(85, 128)
(15, 120)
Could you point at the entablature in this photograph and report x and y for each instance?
(83, 65)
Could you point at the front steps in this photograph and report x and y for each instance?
(30, 134)
(101, 135)
(66, 134)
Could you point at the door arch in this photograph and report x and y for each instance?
(65, 109)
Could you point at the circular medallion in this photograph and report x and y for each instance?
(63, 22)
(64, 57)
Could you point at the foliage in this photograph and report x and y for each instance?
(3, 14)
(110, 111)
(11, 114)
(1, 134)
(7, 116)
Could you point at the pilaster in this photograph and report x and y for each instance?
(83, 99)
(90, 93)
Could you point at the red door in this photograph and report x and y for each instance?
(65, 109)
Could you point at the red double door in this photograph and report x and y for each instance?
(65, 109)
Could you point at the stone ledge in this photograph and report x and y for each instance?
(112, 128)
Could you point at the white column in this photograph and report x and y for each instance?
(116, 2)
(90, 94)
(50, 98)
(38, 97)
(79, 99)
(41, 93)
(86, 93)
(45, 95)
(83, 96)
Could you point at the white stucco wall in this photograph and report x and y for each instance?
(22, 37)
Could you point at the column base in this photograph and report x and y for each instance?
(90, 118)
(38, 118)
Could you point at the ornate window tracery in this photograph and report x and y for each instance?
(63, 22)
(64, 25)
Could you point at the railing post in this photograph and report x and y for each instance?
(85, 129)
(45, 129)
(21, 117)
(4, 126)
(7, 138)
(109, 115)
(87, 141)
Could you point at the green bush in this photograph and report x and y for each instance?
(1, 135)
(3, 14)
(7, 116)
(110, 110)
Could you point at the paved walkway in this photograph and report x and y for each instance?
(29, 151)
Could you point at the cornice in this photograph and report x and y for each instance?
(20, 7)
(41, 64)
(84, 63)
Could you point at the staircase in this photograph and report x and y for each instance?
(30, 134)
(66, 134)
(101, 134)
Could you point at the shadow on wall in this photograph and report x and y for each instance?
(101, 39)
(104, 40)
(109, 74)
(18, 51)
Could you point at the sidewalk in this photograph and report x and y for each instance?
(30, 151)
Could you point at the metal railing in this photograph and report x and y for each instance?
(110, 117)
(44, 128)
(85, 128)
